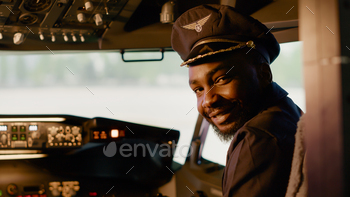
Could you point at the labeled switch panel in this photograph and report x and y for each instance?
(39, 135)
(61, 21)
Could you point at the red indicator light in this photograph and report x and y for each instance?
(27, 196)
(35, 195)
(92, 193)
(43, 195)
(114, 133)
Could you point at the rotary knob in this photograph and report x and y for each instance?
(89, 6)
(98, 19)
(60, 137)
(53, 131)
(70, 137)
(81, 17)
(36, 135)
(75, 130)
(12, 189)
(3, 139)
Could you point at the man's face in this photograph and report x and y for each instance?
(228, 93)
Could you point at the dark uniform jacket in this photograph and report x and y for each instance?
(259, 158)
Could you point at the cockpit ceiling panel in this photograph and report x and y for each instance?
(66, 25)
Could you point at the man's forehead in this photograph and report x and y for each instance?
(207, 70)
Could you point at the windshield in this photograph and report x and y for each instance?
(100, 84)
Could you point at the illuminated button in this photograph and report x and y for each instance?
(56, 144)
(22, 137)
(33, 127)
(115, 133)
(27, 196)
(51, 144)
(43, 195)
(65, 143)
(69, 144)
(96, 135)
(0, 192)
(3, 127)
(14, 128)
(22, 128)
(103, 135)
(14, 137)
(35, 195)
(92, 193)
(79, 143)
(74, 144)
(60, 144)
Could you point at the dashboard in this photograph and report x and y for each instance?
(62, 155)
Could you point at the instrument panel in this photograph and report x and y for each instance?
(28, 132)
(38, 135)
(60, 21)
(65, 156)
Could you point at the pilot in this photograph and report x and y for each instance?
(228, 56)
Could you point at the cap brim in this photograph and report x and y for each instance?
(210, 48)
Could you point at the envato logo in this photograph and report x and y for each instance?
(128, 150)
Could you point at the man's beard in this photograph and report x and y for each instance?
(248, 111)
(244, 116)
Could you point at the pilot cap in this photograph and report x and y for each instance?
(207, 30)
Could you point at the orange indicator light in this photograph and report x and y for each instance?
(115, 133)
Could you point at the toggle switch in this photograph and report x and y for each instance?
(53, 37)
(82, 39)
(41, 36)
(18, 38)
(74, 38)
(98, 19)
(65, 37)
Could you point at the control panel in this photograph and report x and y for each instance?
(56, 20)
(76, 156)
(41, 132)
(39, 135)
(52, 188)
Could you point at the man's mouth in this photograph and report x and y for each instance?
(220, 116)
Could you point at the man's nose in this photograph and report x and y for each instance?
(209, 98)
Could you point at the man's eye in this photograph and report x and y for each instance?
(197, 90)
(222, 79)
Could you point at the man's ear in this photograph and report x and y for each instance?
(264, 74)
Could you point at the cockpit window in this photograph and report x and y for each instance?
(287, 72)
(100, 84)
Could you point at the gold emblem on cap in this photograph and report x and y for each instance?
(197, 25)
